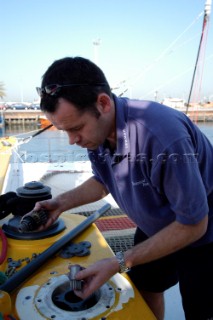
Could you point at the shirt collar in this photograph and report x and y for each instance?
(122, 131)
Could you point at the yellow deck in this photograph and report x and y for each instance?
(135, 308)
(20, 249)
(5, 154)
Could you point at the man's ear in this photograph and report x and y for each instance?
(104, 103)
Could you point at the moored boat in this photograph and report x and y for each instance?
(44, 121)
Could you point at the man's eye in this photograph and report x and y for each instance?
(75, 129)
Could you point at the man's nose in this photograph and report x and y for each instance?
(73, 138)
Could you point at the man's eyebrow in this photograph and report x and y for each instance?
(75, 127)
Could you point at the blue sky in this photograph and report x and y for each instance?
(134, 38)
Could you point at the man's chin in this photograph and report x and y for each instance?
(92, 147)
(89, 146)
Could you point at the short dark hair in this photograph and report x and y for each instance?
(78, 70)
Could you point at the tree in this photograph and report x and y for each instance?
(2, 90)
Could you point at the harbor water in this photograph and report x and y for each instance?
(49, 146)
(52, 145)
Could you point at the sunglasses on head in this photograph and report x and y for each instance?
(54, 89)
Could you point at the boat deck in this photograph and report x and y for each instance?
(115, 226)
(6, 145)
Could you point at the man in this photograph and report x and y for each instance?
(157, 165)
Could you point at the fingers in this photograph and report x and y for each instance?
(41, 205)
(49, 222)
(95, 276)
(89, 287)
(91, 279)
(51, 208)
(85, 273)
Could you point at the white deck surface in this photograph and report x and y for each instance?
(173, 307)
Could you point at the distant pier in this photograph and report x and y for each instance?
(10, 117)
(21, 116)
(201, 115)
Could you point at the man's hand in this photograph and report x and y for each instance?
(52, 207)
(96, 275)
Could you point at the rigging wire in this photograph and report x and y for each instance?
(27, 139)
(37, 132)
(172, 79)
(159, 58)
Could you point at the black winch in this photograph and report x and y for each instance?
(34, 189)
(22, 202)
(31, 193)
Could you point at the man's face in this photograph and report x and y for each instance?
(86, 130)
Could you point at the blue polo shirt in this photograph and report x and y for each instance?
(162, 168)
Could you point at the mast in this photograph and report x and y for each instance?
(201, 49)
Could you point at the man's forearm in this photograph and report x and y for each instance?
(89, 191)
(170, 239)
